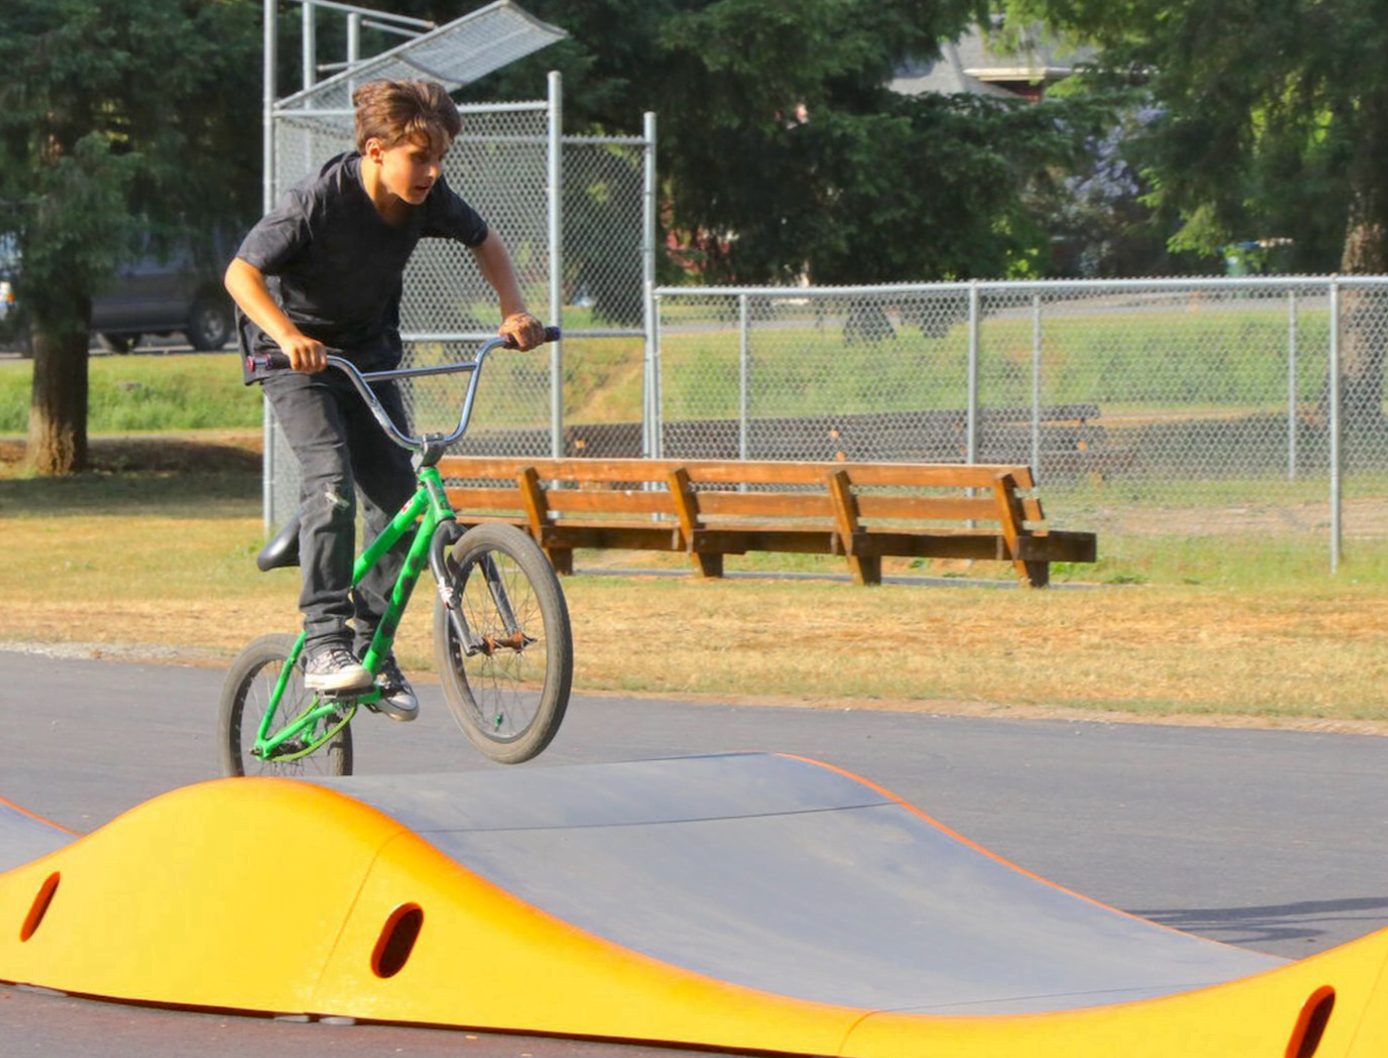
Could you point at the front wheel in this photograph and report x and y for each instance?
(505, 649)
(247, 694)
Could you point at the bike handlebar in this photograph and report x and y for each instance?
(362, 381)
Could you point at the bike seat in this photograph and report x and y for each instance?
(283, 550)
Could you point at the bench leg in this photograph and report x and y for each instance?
(562, 559)
(709, 567)
(866, 569)
(1038, 574)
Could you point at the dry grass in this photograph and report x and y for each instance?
(165, 557)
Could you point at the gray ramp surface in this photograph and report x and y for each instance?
(24, 838)
(787, 876)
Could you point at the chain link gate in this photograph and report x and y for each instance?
(570, 209)
(1228, 409)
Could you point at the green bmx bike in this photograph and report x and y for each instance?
(502, 641)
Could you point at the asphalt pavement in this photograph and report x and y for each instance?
(1273, 840)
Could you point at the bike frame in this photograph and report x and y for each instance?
(423, 515)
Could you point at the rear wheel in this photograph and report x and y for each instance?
(507, 672)
(246, 696)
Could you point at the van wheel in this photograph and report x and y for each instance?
(117, 343)
(210, 325)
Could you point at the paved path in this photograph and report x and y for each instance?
(1273, 840)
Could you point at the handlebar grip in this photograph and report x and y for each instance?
(271, 361)
(552, 334)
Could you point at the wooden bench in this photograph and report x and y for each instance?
(708, 509)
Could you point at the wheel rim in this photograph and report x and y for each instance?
(210, 326)
(504, 679)
(255, 699)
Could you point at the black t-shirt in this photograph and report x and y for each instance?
(335, 265)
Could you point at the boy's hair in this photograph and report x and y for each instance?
(398, 111)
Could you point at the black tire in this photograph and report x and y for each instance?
(245, 697)
(209, 324)
(117, 343)
(508, 700)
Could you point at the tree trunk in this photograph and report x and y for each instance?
(58, 403)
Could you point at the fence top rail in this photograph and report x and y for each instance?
(289, 110)
(1038, 286)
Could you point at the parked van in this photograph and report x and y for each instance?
(174, 291)
(177, 291)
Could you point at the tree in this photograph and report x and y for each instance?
(1274, 122)
(782, 150)
(113, 111)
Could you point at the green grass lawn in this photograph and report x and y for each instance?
(144, 393)
(158, 543)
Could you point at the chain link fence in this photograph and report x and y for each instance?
(590, 207)
(1233, 409)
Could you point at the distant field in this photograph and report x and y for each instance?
(1149, 360)
(1145, 364)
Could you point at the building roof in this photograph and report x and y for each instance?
(971, 65)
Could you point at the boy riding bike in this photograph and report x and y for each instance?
(325, 268)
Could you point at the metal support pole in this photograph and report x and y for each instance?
(1335, 483)
(971, 421)
(267, 115)
(1291, 384)
(1036, 386)
(267, 176)
(654, 442)
(353, 48)
(310, 46)
(556, 262)
(743, 347)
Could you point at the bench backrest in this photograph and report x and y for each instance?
(740, 490)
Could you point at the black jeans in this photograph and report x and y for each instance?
(342, 449)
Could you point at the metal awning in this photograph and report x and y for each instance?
(456, 54)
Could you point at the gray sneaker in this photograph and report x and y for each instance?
(335, 670)
(397, 696)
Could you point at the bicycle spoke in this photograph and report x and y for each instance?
(504, 650)
(505, 673)
(322, 748)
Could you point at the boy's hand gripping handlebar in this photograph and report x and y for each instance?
(432, 443)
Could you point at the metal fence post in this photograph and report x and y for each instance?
(353, 48)
(652, 445)
(556, 262)
(1334, 411)
(1291, 384)
(971, 421)
(742, 376)
(271, 57)
(1036, 386)
(267, 117)
(310, 45)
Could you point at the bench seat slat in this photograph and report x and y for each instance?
(604, 501)
(801, 505)
(478, 499)
(979, 475)
(900, 474)
(927, 508)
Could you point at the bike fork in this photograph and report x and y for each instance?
(440, 564)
